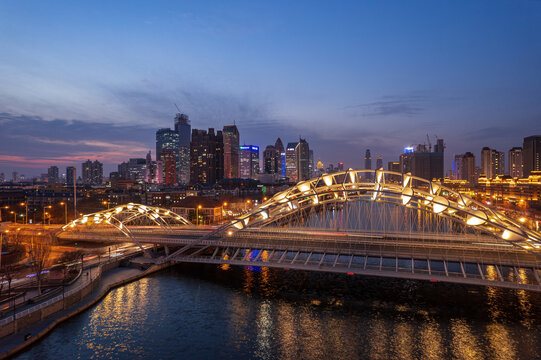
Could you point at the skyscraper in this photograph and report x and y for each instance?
(206, 157)
(249, 161)
(183, 129)
(379, 163)
(271, 160)
(515, 162)
(464, 167)
(367, 159)
(167, 139)
(291, 163)
(231, 151)
(169, 161)
(71, 174)
(492, 162)
(92, 172)
(421, 162)
(136, 169)
(302, 154)
(282, 164)
(311, 166)
(52, 175)
(531, 154)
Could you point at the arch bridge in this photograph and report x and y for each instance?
(377, 223)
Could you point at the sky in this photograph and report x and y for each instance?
(95, 79)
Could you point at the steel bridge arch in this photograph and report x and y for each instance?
(391, 187)
(122, 216)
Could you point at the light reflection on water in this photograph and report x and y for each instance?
(205, 312)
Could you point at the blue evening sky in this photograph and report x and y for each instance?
(95, 79)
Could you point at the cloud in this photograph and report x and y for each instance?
(393, 105)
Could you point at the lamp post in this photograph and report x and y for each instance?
(106, 203)
(14, 216)
(197, 213)
(65, 211)
(25, 204)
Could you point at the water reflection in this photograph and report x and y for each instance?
(264, 313)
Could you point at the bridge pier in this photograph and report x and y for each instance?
(166, 250)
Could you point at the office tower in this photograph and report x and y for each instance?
(302, 154)
(291, 162)
(464, 167)
(282, 163)
(52, 175)
(367, 159)
(169, 160)
(249, 161)
(206, 156)
(71, 174)
(231, 151)
(393, 166)
(123, 171)
(92, 172)
(422, 162)
(184, 131)
(531, 155)
(340, 166)
(136, 169)
(271, 160)
(492, 162)
(515, 162)
(379, 163)
(167, 139)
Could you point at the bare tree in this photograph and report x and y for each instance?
(7, 274)
(40, 249)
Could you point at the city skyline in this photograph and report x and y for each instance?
(356, 76)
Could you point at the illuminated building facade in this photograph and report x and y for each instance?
(271, 160)
(492, 162)
(92, 172)
(422, 162)
(52, 175)
(464, 167)
(302, 155)
(184, 131)
(367, 159)
(206, 157)
(231, 151)
(249, 161)
(291, 162)
(282, 164)
(531, 154)
(514, 159)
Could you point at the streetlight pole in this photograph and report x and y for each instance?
(65, 211)
(197, 213)
(14, 216)
(25, 204)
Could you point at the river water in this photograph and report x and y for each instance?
(210, 312)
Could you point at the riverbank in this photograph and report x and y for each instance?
(19, 341)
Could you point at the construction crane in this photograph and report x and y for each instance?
(179, 109)
(429, 143)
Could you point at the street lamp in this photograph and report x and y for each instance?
(65, 211)
(14, 216)
(197, 213)
(25, 204)
(106, 203)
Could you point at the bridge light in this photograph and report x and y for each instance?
(130, 206)
(230, 233)
(351, 175)
(327, 180)
(428, 200)
(477, 218)
(522, 220)
(118, 209)
(264, 215)
(407, 194)
(375, 193)
(316, 199)
(440, 204)
(141, 210)
(84, 220)
(434, 188)
(304, 187)
(166, 213)
(379, 175)
(407, 179)
(464, 200)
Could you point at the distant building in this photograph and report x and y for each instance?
(393, 166)
(291, 162)
(248, 161)
(231, 151)
(515, 161)
(379, 163)
(423, 163)
(183, 129)
(492, 162)
(282, 163)
(464, 167)
(92, 172)
(169, 161)
(311, 166)
(302, 154)
(52, 175)
(531, 154)
(367, 159)
(206, 157)
(136, 169)
(271, 160)
(167, 139)
(71, 174)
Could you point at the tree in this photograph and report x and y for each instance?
(40, 249)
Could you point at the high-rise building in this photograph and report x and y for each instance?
(464, 167)
(123, 171)
(169, 160)
(492, 162)
(291, 163)
(2, 177)
(393, 166)
(249, 161)
(515, 162)
(183, 129)
(271, 160)
(52, 175)
(367, 159)
(421, 162)
(167, 139)
(136, 169)
(311, 166)
(379, 163)
(206, 156)
(302, 154)
(282, 163)
(231, 151)
(531, 154)
(71, 174)
(92, 172)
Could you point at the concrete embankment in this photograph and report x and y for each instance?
(26, 330)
